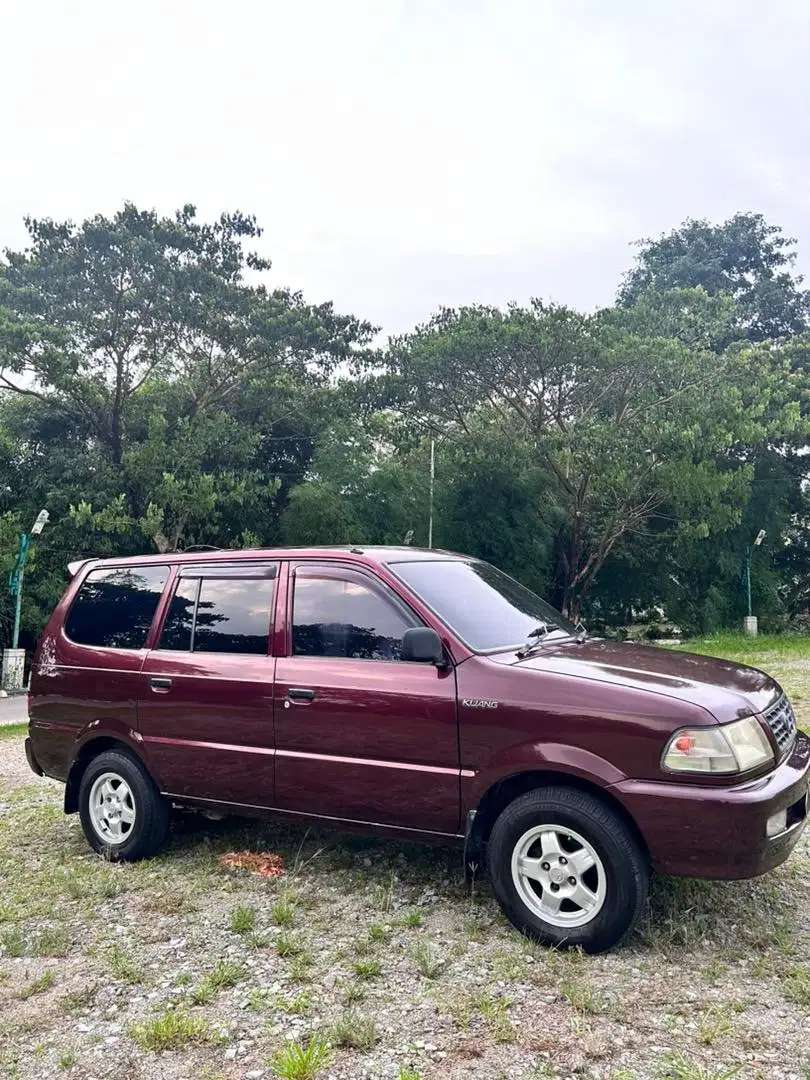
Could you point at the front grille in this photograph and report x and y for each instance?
(781, 719)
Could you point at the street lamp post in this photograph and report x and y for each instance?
(750, 624)
(14, 658)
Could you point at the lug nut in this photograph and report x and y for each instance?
(555, 888)
(545, 866)
(563, 861)
(572, 881)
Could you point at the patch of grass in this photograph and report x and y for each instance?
(123, 966)
(37, 986)
(169, 903)
(76, 1000)
(225, 976)
(13, 731)
(52, 942)
(796, 986)
(583, 997)
(183, 979)
(354, 1031)
(300, 966)
(716, 1022)
(173, 1030)
(679, 1067)
(243, 920)
(13, 942)
(428, 962)
(367, 969)
(283, 912)
(288, 945)
(295, 1061)
(379, 933)
(294, 1006)
(67, 1059)
(495, 1011)
(413, 918)
(407, 1073)
(713, 971)
(354, 994)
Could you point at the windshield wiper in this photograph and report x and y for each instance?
(536, 637)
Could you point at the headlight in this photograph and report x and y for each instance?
(730, 748)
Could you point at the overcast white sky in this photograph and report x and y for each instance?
(402, 154)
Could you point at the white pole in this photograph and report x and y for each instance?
(432, 474)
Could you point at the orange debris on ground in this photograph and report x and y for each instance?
(263, 863)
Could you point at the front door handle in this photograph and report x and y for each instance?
(297, 693)
(160, 686)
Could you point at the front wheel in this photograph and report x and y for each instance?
(124, 816)
(567, 870)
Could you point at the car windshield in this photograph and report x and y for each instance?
(486, 608)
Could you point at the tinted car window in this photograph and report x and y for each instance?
(346, 616)
(220, 615)
(486, 608)
(114, 608)
(179, 620)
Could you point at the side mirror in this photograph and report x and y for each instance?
(422, 645)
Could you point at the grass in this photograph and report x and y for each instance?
(679, 1067)
(355, 1031)
(13, 731)
(296, 1061)
(77, 1000)
(172, 1030)
(67, 1059)
(428, 962)
(243, 920)
(796, 987)
(124, 967)
(283, 912)
(37, 986)
(225, 976)
(288, 945)
(367, 969)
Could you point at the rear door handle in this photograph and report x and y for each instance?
(297, 693)
(160, 686)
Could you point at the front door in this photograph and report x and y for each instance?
(206, 703)
(360, 734)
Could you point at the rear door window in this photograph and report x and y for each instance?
(114, 608)
(220, 615)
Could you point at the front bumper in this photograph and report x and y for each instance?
(720, 832)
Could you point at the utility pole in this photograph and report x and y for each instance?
(750, 623)
(432, 475)
(14, 658)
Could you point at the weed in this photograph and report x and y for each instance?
(495, 1010)
(295, 1006)
(406, 1073)
(294, 1061)
(354, 994)
(258, 941)
(123, 966)
(37, 986)
(76, 1000)
(243, 920)
(796, 987)
(428, 961)
(713, 971)
(413, 918)
(300, 966)
(387, 893)
(582, 997)
(377, 932)
(225, 975)
(715, 1023)
(288, 945)
(679, 1067)
(355, 1031)
(283, 913)
(367, 969)
(12, 942)
(52, 942)
(171, 1031)
(67, 1059)
(183, 979)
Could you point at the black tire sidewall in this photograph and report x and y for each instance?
(151, 809)
(625, 866)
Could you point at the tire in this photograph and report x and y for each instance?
(133, 803)
(539, 854)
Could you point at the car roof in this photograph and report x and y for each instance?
(360, 553)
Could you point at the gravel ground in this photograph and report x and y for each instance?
(177, 968)
(371, 943)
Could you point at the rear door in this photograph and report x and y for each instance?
(206, 702)
(361, 734)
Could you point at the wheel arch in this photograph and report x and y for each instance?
(86, 753)
(503, 792)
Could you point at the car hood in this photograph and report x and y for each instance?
(724, 689)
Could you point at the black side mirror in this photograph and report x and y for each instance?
(422, 645)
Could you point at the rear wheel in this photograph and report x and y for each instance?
(567, 870)
(123, 814)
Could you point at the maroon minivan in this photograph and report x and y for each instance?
(425, 695)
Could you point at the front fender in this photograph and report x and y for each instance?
(538, 757)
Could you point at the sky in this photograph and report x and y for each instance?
(403, 155)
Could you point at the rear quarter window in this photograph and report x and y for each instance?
(114, 608)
